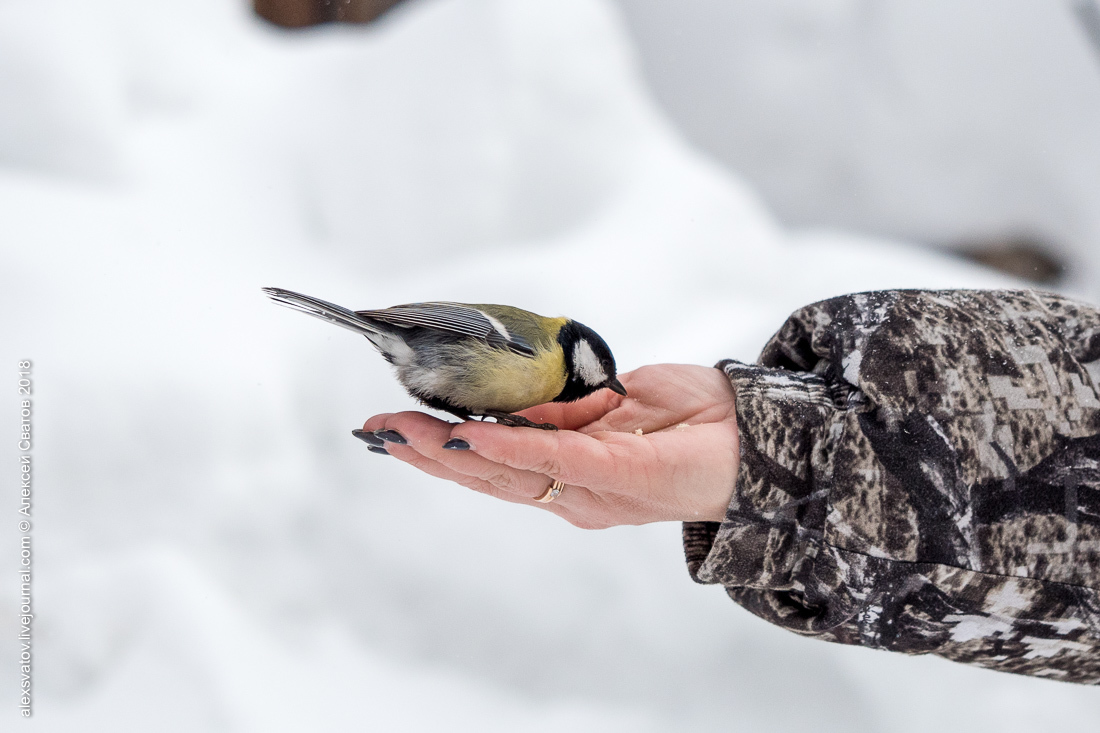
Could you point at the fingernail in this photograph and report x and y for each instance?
(367, 437)
(391, 436)
(456, 444)
(376, 449)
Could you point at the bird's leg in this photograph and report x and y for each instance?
(517, 421)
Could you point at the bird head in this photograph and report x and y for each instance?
(589, 365)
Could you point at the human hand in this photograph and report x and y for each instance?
(682, 466)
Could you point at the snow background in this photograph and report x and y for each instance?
(214, 551)
(936, 121)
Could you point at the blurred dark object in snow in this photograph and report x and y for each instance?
(1021, 256)
(1088, 13)
(302, 13)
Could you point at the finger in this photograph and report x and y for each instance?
(573, 415)
(607, 410)
(576, 504)
(566, 455)
(422, 449)
(578, 507)
(438, 470)
(643, 408)
(425, 436)
(666, 395)
(417, 429)
(376, 422)
(682, 473)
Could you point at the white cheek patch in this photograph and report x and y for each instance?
(587, 365)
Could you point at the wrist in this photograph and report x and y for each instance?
(710, 488)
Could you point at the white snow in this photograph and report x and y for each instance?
(213, 550)
(946, 121)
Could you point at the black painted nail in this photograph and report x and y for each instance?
(391, 436)
(367, 437)
(456, 444)
(376, 449)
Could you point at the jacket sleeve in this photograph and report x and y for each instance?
(920, 472)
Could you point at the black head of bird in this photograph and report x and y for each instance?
(477, 360)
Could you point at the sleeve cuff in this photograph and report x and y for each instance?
(775, 520)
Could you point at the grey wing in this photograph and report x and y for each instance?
(455, 318)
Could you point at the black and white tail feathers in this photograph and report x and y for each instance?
(324, 310)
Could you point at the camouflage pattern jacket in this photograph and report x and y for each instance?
(920, 472)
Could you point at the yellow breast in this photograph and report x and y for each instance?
(511, 382)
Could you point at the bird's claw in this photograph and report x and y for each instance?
(518, 421)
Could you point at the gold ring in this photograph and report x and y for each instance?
(551, 493)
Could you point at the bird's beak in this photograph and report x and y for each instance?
(616, 386)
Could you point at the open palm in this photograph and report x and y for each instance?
(666, 451)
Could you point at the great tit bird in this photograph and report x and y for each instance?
(477, 360)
